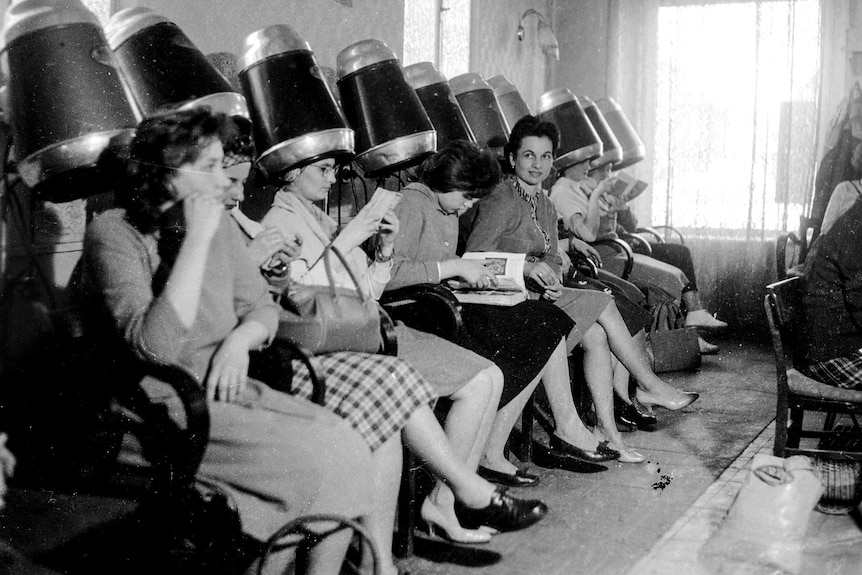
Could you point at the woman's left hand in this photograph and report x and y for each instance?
(387, 231)
(229, 370)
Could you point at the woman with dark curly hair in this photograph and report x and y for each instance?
(167, 279)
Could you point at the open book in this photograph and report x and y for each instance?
(509, 270)
(626, 187)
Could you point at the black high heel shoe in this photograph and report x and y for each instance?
(635, 414)
(565, 450)
(504, 513)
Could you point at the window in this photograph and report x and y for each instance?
(438, 31)
(736, 117)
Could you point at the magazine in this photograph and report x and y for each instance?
(509, 270)
(626, 187)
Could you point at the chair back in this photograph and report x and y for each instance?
(782, 304)
(789, 254)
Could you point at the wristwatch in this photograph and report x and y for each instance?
(378, 257)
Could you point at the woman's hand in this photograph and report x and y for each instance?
(386, 232)
(476, 273)
(229, 369)
(584, 249)
(357, 230)
(545, 276)
(202, 213)
(266, 244)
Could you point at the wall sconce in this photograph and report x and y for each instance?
(546, 38)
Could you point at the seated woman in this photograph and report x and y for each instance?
(588, 212)
(204, 308)
(845, 194)
(831, 318)
(518, 217)
(472, 383)
(526, 340)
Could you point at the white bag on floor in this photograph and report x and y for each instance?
(764, 531)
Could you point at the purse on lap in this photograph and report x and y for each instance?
(326, 318)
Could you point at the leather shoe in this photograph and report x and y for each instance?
(682, 399)
(504, 513)
(634, 414)
(518, 479)
(563, 449)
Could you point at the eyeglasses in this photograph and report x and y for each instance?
(325, 171)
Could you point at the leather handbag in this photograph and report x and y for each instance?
(673, 346)
(326, 318)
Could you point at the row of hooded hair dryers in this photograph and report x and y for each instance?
(73, 87)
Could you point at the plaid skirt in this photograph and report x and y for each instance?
(375, 393)
(845, 371)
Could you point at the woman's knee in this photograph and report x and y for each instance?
(485, 386)
(596, 338)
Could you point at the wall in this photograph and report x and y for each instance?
(495, 49)
(582, 29)
(216, 26)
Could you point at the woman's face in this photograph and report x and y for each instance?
(236, 175)
(455, 202)
(601, 173)
(315, 180)
(534, 159)
(203, 176)
(578, 171)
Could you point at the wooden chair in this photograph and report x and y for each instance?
(799, 394)
(790, 252)
(96, 512)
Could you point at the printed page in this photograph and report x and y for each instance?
(507, 267)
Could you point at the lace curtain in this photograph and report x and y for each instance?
(726, 97)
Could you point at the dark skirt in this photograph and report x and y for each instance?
(635, 316)
(519, 339)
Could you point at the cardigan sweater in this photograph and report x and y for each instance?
(428, 236)
(113, 282)
(832, 312)
(503, 224)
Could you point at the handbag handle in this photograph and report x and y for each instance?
(328, 266)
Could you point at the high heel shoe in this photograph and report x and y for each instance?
(438, 526)
(682, 399)
(566, 450)
(635, 414)
(628, 455)
(504, 513)
(518, 479)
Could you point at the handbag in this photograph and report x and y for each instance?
(674, 347)
(326, 318)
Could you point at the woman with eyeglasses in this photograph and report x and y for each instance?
(471, 382)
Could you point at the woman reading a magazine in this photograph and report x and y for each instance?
(526, 340)
(472, 382)
(518, 216)
(589, 211)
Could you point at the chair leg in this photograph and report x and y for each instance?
(406, 522)
(528, 417)
(780, 444)
(794, 430)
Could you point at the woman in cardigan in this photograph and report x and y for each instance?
(526, 340)
(469, 380)
(194, 299)
(519, 217)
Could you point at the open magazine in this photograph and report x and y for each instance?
(510, 289)
(626, 187)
